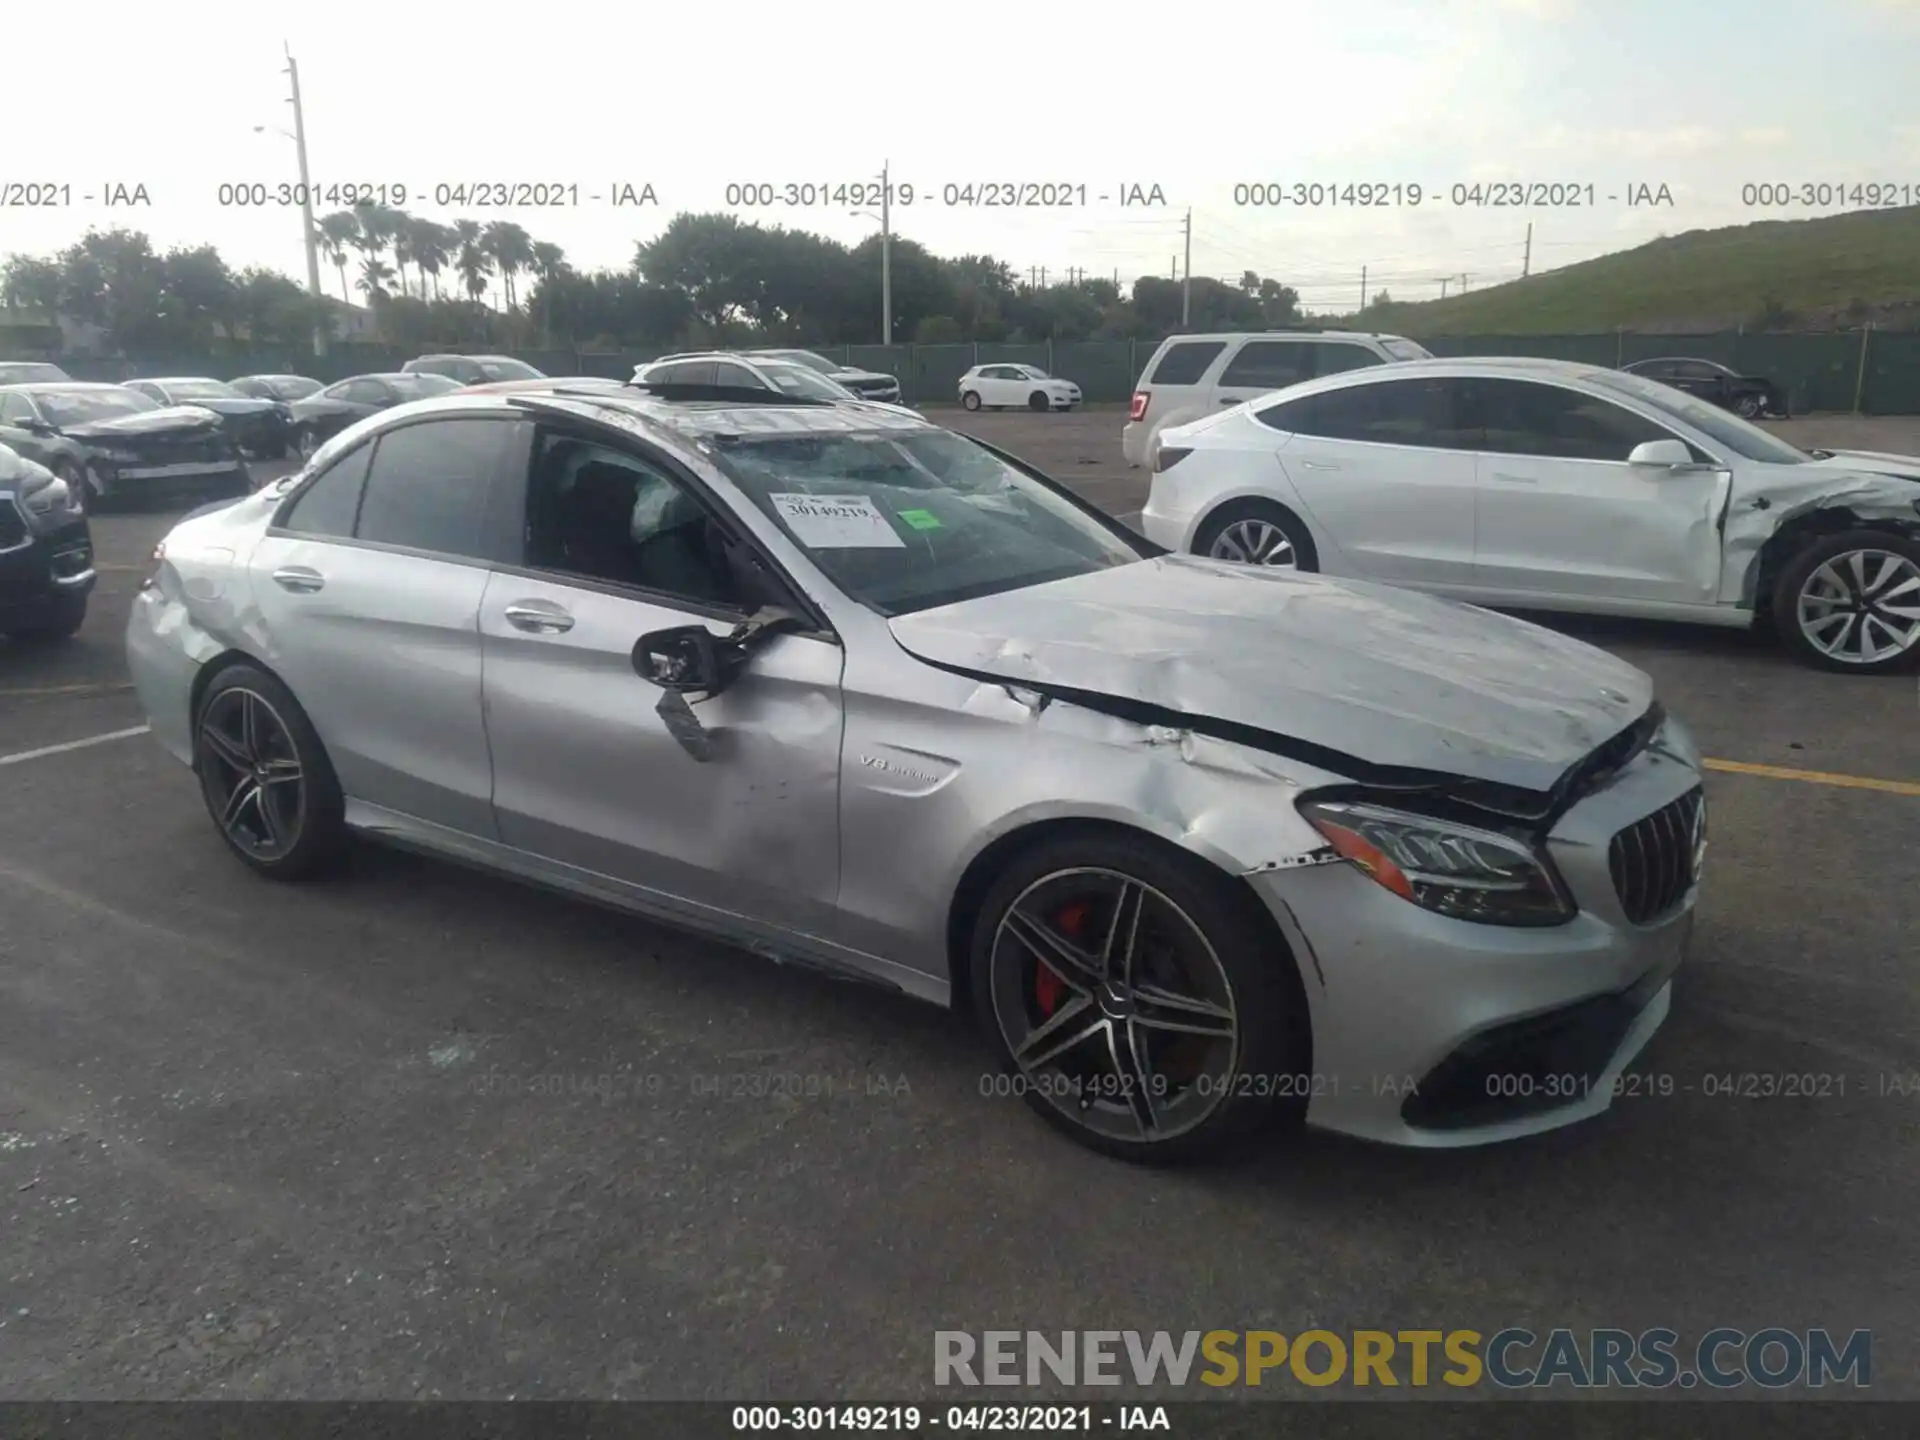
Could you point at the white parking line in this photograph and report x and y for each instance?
(65, 746)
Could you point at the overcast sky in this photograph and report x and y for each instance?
(1702, 96)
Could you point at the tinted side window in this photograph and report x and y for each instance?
(1520, 417)
(1393, 412)
(603, 514)
(429, 485)
(328, 505)
(1333, 357)
(1185, 363)
(1269, 364)
(15, 407)
(727, 373)
(362, 392)
(1695, 370)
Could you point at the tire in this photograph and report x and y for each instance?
(970, 400)
(63, 623)
(308, 833)
(305, 442)
(1228, 965)
(1748, 407)
(77, 482)
(1257, 528)
(1860, 575)
(1038, 402)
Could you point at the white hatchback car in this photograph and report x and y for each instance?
(1545, 484)
(1194, 375)
(1001, 387)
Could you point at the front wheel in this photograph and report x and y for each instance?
(265, 776)
(1258, 533)
(1748, 407)
(970, 400)
(1134, 1001)
(75, 476)
(1038, 401)
(306, 442)
(1851, 602)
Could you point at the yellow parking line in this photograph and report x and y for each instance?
(1815, 777)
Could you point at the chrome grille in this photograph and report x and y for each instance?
(1653, 860)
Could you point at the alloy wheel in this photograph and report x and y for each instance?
(307, 443)
(1255, 542)
(1748, 406)
(251, 773)
(1861, 607)
(1114, 1005)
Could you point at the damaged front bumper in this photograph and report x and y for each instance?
(1431, 1031)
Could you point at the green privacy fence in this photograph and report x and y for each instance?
(1876, 372)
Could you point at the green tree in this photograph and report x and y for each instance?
(337, 234)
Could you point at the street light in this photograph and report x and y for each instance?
(308, 234)
(885, 217)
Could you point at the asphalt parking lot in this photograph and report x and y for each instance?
(421, 1133)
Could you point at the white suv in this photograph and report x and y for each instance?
(1194, 375)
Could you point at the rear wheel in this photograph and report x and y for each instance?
(265, 776)
(1134, 1001)
(970, 400)
(1258, 532)
(1039, 401)
(1851, 602)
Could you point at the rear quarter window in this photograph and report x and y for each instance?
(1185, 362)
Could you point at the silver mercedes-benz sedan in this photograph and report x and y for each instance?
(1206, 849)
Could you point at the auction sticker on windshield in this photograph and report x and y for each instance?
(836, 522)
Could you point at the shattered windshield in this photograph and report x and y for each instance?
(907, 521)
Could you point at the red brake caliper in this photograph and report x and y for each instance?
(1048, 988)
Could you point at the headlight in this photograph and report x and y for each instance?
(1454, 870)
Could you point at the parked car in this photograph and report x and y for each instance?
(31, 372)
(46, 552)
(325, 413)
(472, 369)
(1751, 396)
(1002, 387)
(749, 372)
(1194, 375)
(866, 695)
(277, 387)
(108, 443)
(1549, 485)
(867, 384)
(261, 428)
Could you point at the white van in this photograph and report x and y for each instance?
(1194, 375)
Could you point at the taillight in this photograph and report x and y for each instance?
(1168, 456)
(1139, 410)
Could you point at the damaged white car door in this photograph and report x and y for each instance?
(1578, 497)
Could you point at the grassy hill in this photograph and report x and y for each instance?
(1835, 271)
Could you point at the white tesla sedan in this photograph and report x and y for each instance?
(1550, 485)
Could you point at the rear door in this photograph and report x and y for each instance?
(1562, 513)
(1262, 366)
(1386, 469)
(618, 542)
(368, 590)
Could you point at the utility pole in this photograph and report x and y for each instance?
(1043, 277)
(886, 255)
(306, 208)
(1463, 282)
(1186, 284)
(1363, 287)
(1526, 260)
(1443, 285)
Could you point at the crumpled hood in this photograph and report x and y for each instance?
(145, 422)
(1389, 677)
(852, 372)
(1876, 462)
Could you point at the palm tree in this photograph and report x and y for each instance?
(432, 246)
(511, 248)
(375, 222)
(548, 261)
(337, 232)
(374, 275)
(403, 251)
(469, 259)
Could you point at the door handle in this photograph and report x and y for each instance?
(1510, 478)
(539, 619)
(299, 579)
(1319, 465)
(1229, 402)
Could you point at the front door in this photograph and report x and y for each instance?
(1562, 513)
(587, 774)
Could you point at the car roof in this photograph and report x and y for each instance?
(178, 379)
(44, 386)
(692, 420)
(1230, 335)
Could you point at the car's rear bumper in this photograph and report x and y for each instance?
(1434, 1032)
(164, 654)
(1133, 442)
